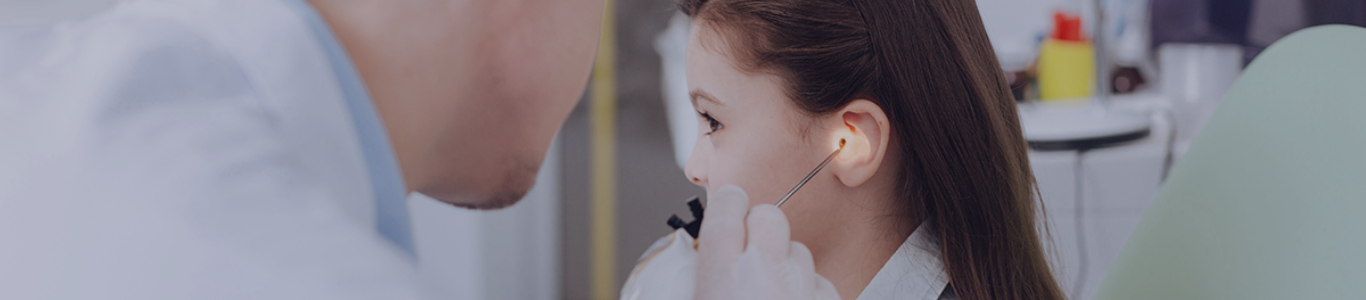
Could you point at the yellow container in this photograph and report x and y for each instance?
(1066, 70)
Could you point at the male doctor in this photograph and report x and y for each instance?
(263, 149)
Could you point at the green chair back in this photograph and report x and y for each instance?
(1270, 200)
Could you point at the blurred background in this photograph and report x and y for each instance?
(1110, 92)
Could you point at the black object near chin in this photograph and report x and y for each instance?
(693, 227)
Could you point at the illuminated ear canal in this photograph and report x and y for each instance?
(863, 145)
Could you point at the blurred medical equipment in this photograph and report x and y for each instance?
(1267, 202)
(1067, 61)
(1076, 120)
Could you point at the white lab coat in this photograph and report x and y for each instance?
(194, 149)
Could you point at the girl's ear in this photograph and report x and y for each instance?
(865, 133)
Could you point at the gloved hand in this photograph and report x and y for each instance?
(767, 266)
(747, 253)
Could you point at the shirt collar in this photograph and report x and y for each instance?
(914, 272)
(390, 192)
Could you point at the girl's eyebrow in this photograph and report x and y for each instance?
(700, 94)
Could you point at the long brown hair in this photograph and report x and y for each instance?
(929, 65)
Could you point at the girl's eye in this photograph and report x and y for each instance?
(711, 122)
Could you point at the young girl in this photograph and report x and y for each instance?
(932, 197)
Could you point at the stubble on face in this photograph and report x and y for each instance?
(514, 184)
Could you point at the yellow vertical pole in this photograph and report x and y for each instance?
(604, 172)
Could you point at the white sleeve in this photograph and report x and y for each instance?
(147, 170)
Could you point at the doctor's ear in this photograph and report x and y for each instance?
(865, 132)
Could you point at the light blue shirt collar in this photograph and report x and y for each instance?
(391, 207)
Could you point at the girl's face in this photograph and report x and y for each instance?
(753, 136)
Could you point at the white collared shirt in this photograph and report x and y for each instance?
(914, 272)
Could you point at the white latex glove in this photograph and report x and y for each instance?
(767, 266)
(747, 253)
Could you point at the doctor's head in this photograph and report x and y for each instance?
(914, 88)
(471, 92)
